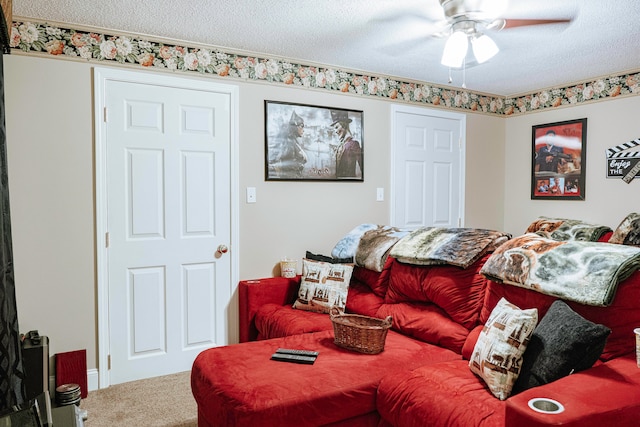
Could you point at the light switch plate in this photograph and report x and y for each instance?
(251, 194)
(380, 194)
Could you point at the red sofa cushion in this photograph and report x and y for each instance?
(405, 282)
(239, 386)
(426, 322)
(459, 292)
(470, 342)
(445, 394)
(376, 281)
(361, 300)
(274, 321)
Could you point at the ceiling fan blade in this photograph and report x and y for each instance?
(404, 31)
(513, 23)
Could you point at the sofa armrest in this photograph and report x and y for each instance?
(608, 394)
(252, 294)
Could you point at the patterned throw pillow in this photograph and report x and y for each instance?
(323, 286)
(628, 232)
(497, 355)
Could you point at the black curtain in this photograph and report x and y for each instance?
(11, 371)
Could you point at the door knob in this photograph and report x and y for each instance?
(222, 249)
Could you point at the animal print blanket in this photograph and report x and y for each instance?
(455, 246)
(368, 245)
(375, 245)
(567, 229)
(584, 272)
(628, 232)
(348, 245)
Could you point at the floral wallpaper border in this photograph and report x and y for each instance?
(40, 37)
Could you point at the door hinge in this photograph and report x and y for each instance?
(105, 114)
(106, 239)
(109, 362)
(459, 222)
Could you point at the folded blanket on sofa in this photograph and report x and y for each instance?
(584, 272)
(374, 246)
(368, 245)
(347, 246)
(567, 229)
(455, 246)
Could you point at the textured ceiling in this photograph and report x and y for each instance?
(386, 37)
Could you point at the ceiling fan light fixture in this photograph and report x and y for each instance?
(455, 50)
(484, 48)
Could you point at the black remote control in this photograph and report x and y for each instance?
(297, 352)
(283, 357)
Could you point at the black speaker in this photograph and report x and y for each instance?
(35, 361)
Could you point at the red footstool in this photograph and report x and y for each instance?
(238, 385)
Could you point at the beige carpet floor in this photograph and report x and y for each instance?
(156, 402)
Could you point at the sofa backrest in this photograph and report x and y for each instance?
(437, 304)
(457, 291)
(622, 316)
(376, 281)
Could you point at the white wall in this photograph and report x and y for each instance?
(50, 156)
(51, 179)
(485, 172)
(607, 201)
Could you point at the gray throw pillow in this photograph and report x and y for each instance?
(563, 342)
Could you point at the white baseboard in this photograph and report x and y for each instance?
(92, 379)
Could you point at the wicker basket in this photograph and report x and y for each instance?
(359, 333)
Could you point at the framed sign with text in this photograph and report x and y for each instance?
(622, 163)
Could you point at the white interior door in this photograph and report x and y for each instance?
(427, 168)
(167, 166)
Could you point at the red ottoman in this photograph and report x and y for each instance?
(239, 385)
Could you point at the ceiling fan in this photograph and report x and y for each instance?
(467, 22)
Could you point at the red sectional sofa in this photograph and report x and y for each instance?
(422, 377)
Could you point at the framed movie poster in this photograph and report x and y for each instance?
(313, 143)
(558, 160)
